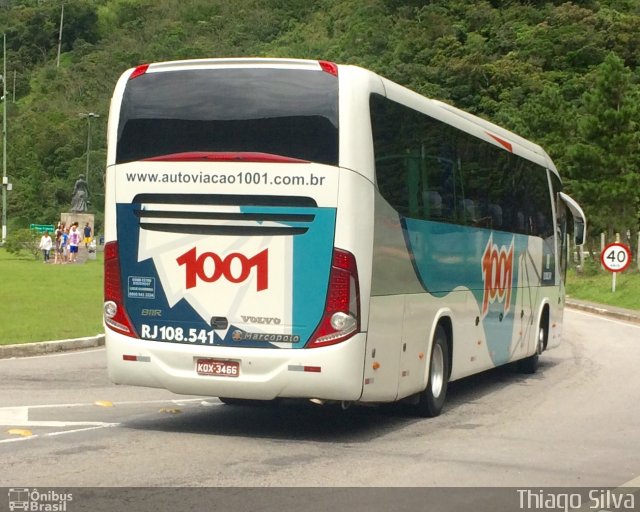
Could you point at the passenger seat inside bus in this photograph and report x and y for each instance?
(433, 204)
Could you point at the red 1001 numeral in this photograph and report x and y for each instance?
(497, 272)
(195, 268)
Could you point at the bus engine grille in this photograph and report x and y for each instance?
(230, 215)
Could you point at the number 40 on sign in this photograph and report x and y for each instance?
(615, 258)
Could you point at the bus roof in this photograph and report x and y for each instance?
(235, 62)
(500, 131)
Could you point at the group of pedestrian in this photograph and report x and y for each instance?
(66, 243)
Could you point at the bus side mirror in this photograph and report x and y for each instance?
(579, 220)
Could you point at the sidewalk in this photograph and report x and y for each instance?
(48, 347)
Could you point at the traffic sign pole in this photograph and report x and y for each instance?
(615, 257)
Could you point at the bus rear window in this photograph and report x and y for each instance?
(289, 113)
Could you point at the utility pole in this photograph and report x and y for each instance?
(5, 180)
(88, 116)
(60, 36)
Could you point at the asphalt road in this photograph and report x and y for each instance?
(575, 423)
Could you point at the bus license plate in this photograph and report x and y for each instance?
(217, 368)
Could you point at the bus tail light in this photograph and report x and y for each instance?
(329, 67)
(341, 317)
(139, 71)
(115, 315)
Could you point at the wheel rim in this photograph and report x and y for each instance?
(540, 340)
(437, 371)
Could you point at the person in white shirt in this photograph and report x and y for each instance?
(45, 246)
(74, 241)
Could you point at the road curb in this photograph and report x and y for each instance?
(48, 347)
(599, 309)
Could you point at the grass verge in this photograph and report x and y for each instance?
(41, 302)
(595, 286)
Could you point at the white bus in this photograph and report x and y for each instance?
(299, 229)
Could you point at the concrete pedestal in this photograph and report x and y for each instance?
(81, 218)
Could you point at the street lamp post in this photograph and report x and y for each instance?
(5, 181)
(88, 116)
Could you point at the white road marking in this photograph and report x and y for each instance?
(44, 423)
(59, 433)
(632, 483)
(18, 416)
(13, 415)
(106, 425)
(178, 401)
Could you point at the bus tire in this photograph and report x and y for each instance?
(529, 365)
(431, 400)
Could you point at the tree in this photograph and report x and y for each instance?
(605, 173)
(23, 240)
(524, 64)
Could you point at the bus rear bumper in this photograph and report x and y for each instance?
(332, 373)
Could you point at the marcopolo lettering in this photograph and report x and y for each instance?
(260, 336)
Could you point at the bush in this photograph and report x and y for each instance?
(23, 240)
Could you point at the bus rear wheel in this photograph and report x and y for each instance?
(530, 364)
(431, 400)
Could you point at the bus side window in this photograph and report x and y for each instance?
(413, 187)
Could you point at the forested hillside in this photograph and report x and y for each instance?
(564, 74)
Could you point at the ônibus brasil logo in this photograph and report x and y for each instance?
(22, 498)
(234, 267)
(497, 274)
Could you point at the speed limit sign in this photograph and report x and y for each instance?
(616, 257)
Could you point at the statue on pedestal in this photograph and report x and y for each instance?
(80, 197)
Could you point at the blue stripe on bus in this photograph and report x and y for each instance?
(312, 253)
